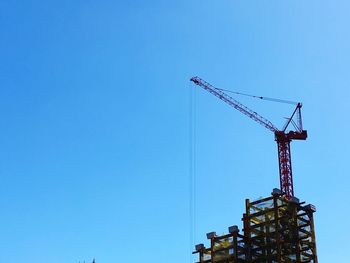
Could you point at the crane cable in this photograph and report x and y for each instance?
(192, 169)
(260, 97)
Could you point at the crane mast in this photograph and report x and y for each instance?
(282, 137)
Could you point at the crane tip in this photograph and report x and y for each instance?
(195, 80)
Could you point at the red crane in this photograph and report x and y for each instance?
(282, 137)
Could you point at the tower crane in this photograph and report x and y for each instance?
(282, 137)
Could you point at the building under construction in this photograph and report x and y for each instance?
(275, 230)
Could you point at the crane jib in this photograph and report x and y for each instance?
(234, 103)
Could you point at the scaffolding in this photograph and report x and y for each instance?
(275, 230)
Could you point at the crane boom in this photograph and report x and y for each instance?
(234, 103)
(282, 137)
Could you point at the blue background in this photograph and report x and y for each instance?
(96, 120)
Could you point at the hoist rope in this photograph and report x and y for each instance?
(192, 168)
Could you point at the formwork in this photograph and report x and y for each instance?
(275, 230)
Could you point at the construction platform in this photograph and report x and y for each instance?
(275, 230)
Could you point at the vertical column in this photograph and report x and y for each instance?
(277, 226)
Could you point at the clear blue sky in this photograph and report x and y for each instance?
(94, 108)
